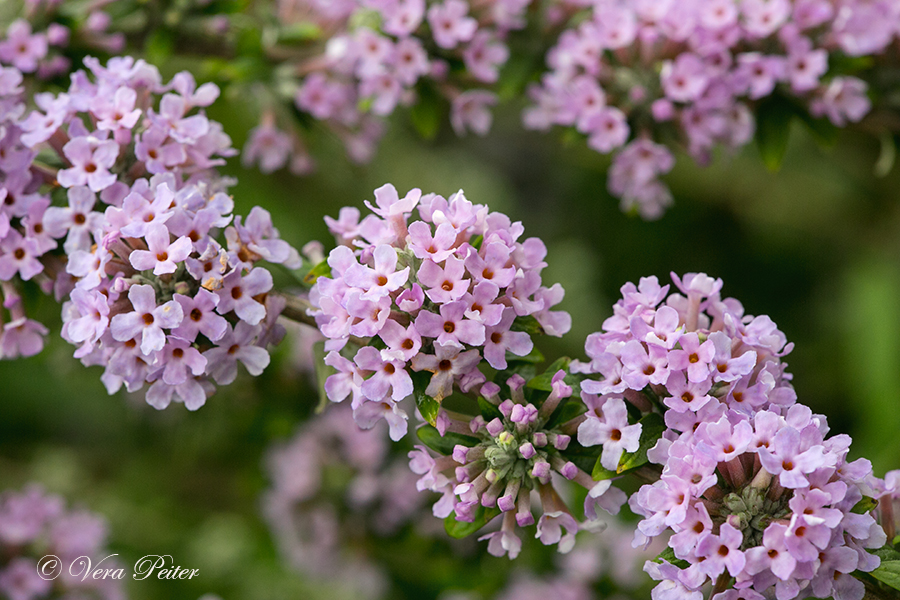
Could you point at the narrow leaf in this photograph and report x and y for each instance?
(668, 555)
(864, 505)
(488, 410)
(320, 270)
(565, 412)
(428, 406)
(427, 113)
(600, 472)
(528, 324)
(773, 128)
(544, 381)
(888, 573)
(652, 428)
(443, 445)
(461, 529)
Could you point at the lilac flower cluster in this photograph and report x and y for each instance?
(376, 56)
(516, 454)
(34, 524)
(756, 499)
(692, 352)
(318, 525)
(150, 293)
(626, 73)
(763, 500)
(442, 294)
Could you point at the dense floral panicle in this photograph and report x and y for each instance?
(517, 454)
(442, 293)
(693, 350)
(763, 500)
(34, 524)
(319, 525)
(379, 56)
(160, 282)
(624, 73)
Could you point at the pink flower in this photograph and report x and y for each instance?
(91, 161)
(163, 256)
(147, 320)
(450, 24)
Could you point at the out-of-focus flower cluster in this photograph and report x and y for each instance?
(442, 294)
(691, 72)
(37, 42)
(35, 525)
(600, 562)
(379, 54)
(150, 290)
(335, 491)
(513, 455)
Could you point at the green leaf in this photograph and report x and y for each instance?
(323, 269)
(461, 529)
(444, 445)
(323, 372)
(476, 241)
(544, 381)
(825, 132)
(652, 428)
(528, 324)
(488, 410)
(886, 553)
(888, 573)
(159, 45)
(299, 33)
(864, 505)
(668, 555)
(427, 113)
(600, 472)
(565, 412)
(888, 155)
(428, 406)
(773, 128)
(533, 357)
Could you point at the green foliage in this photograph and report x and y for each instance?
(773, 128)
(428, 406)
(864, 505)
(668, 555)
(889, 570)
(461, 529)
(443, 444)
(428, 113)
(652, 428)
(528, 324)
(323, 269)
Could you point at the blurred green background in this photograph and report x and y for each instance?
(815, 246)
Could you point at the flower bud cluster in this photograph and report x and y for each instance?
(151, 291)
(763, 500)
(43, 546)
(626, 73)
(441, 294)
(517, 453)
(690, 352)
